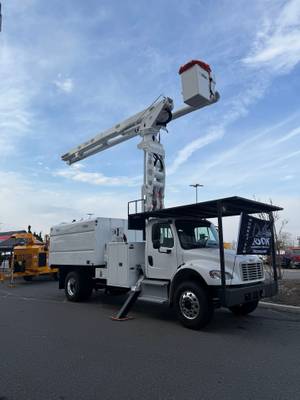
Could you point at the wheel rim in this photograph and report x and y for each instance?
(189, 305)
(71, 287)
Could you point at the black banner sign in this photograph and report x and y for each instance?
(255, 236)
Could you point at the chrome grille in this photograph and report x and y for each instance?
(252, 271)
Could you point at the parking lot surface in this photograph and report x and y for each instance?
(54, 349)
(290, 274)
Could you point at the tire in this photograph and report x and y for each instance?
(27, 278)
(244, 309)
(193, 305)
(78, 286)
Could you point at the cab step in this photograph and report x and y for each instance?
(153, 299)
(154, 282)
(155, 291)
(148, 290)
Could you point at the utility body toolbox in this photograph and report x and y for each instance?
(84, 243)
(125, 262)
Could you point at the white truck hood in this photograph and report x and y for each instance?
(213, 255)
(210, 256)
(207, 259)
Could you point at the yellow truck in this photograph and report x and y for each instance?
(30, 258)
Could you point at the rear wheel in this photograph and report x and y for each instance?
(78, 286)
(193, 305)
(244, 309)
(27, 278)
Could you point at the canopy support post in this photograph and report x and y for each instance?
(221, 251)
(273, 248)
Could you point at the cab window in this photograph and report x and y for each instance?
(196, 234)
(163, 233)
(203, 233)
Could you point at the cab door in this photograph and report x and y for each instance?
(161, 251)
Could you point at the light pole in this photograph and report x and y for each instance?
(196, 185)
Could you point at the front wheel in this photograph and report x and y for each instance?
(244, 309)
(78, 286)
(193, 305)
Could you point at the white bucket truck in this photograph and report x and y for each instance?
(162, 255)
(181, 263)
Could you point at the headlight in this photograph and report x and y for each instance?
(215, 274)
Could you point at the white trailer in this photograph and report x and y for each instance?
(164, 255)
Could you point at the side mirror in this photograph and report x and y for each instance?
(156, 244)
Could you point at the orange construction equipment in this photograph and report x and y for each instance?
(29, 259)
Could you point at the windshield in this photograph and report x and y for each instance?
(196, 234)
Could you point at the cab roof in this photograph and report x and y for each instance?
(230, 206)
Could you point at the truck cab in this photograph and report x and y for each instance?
(177, 244)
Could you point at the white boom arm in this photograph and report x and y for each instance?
(153, 117)
(147, 124)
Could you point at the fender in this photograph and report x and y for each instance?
(200, 268)
(187, 271)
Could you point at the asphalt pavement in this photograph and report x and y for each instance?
(290, 274)
(51, 349)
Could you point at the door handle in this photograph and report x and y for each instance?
(150, 260)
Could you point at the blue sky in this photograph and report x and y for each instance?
(71, 69)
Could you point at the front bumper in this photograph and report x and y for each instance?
(231, 296)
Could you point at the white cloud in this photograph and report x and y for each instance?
(238, 107)
(234, 153)
(66, 85)
(16, 116)
(289, 204)
(277, 45)
(41, 205)
(75, 173)
(279, 160)
(287, 177)
(287, 136)
(185, 153)
(257, 160)
(26, 203)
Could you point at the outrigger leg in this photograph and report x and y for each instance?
(131, 299)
